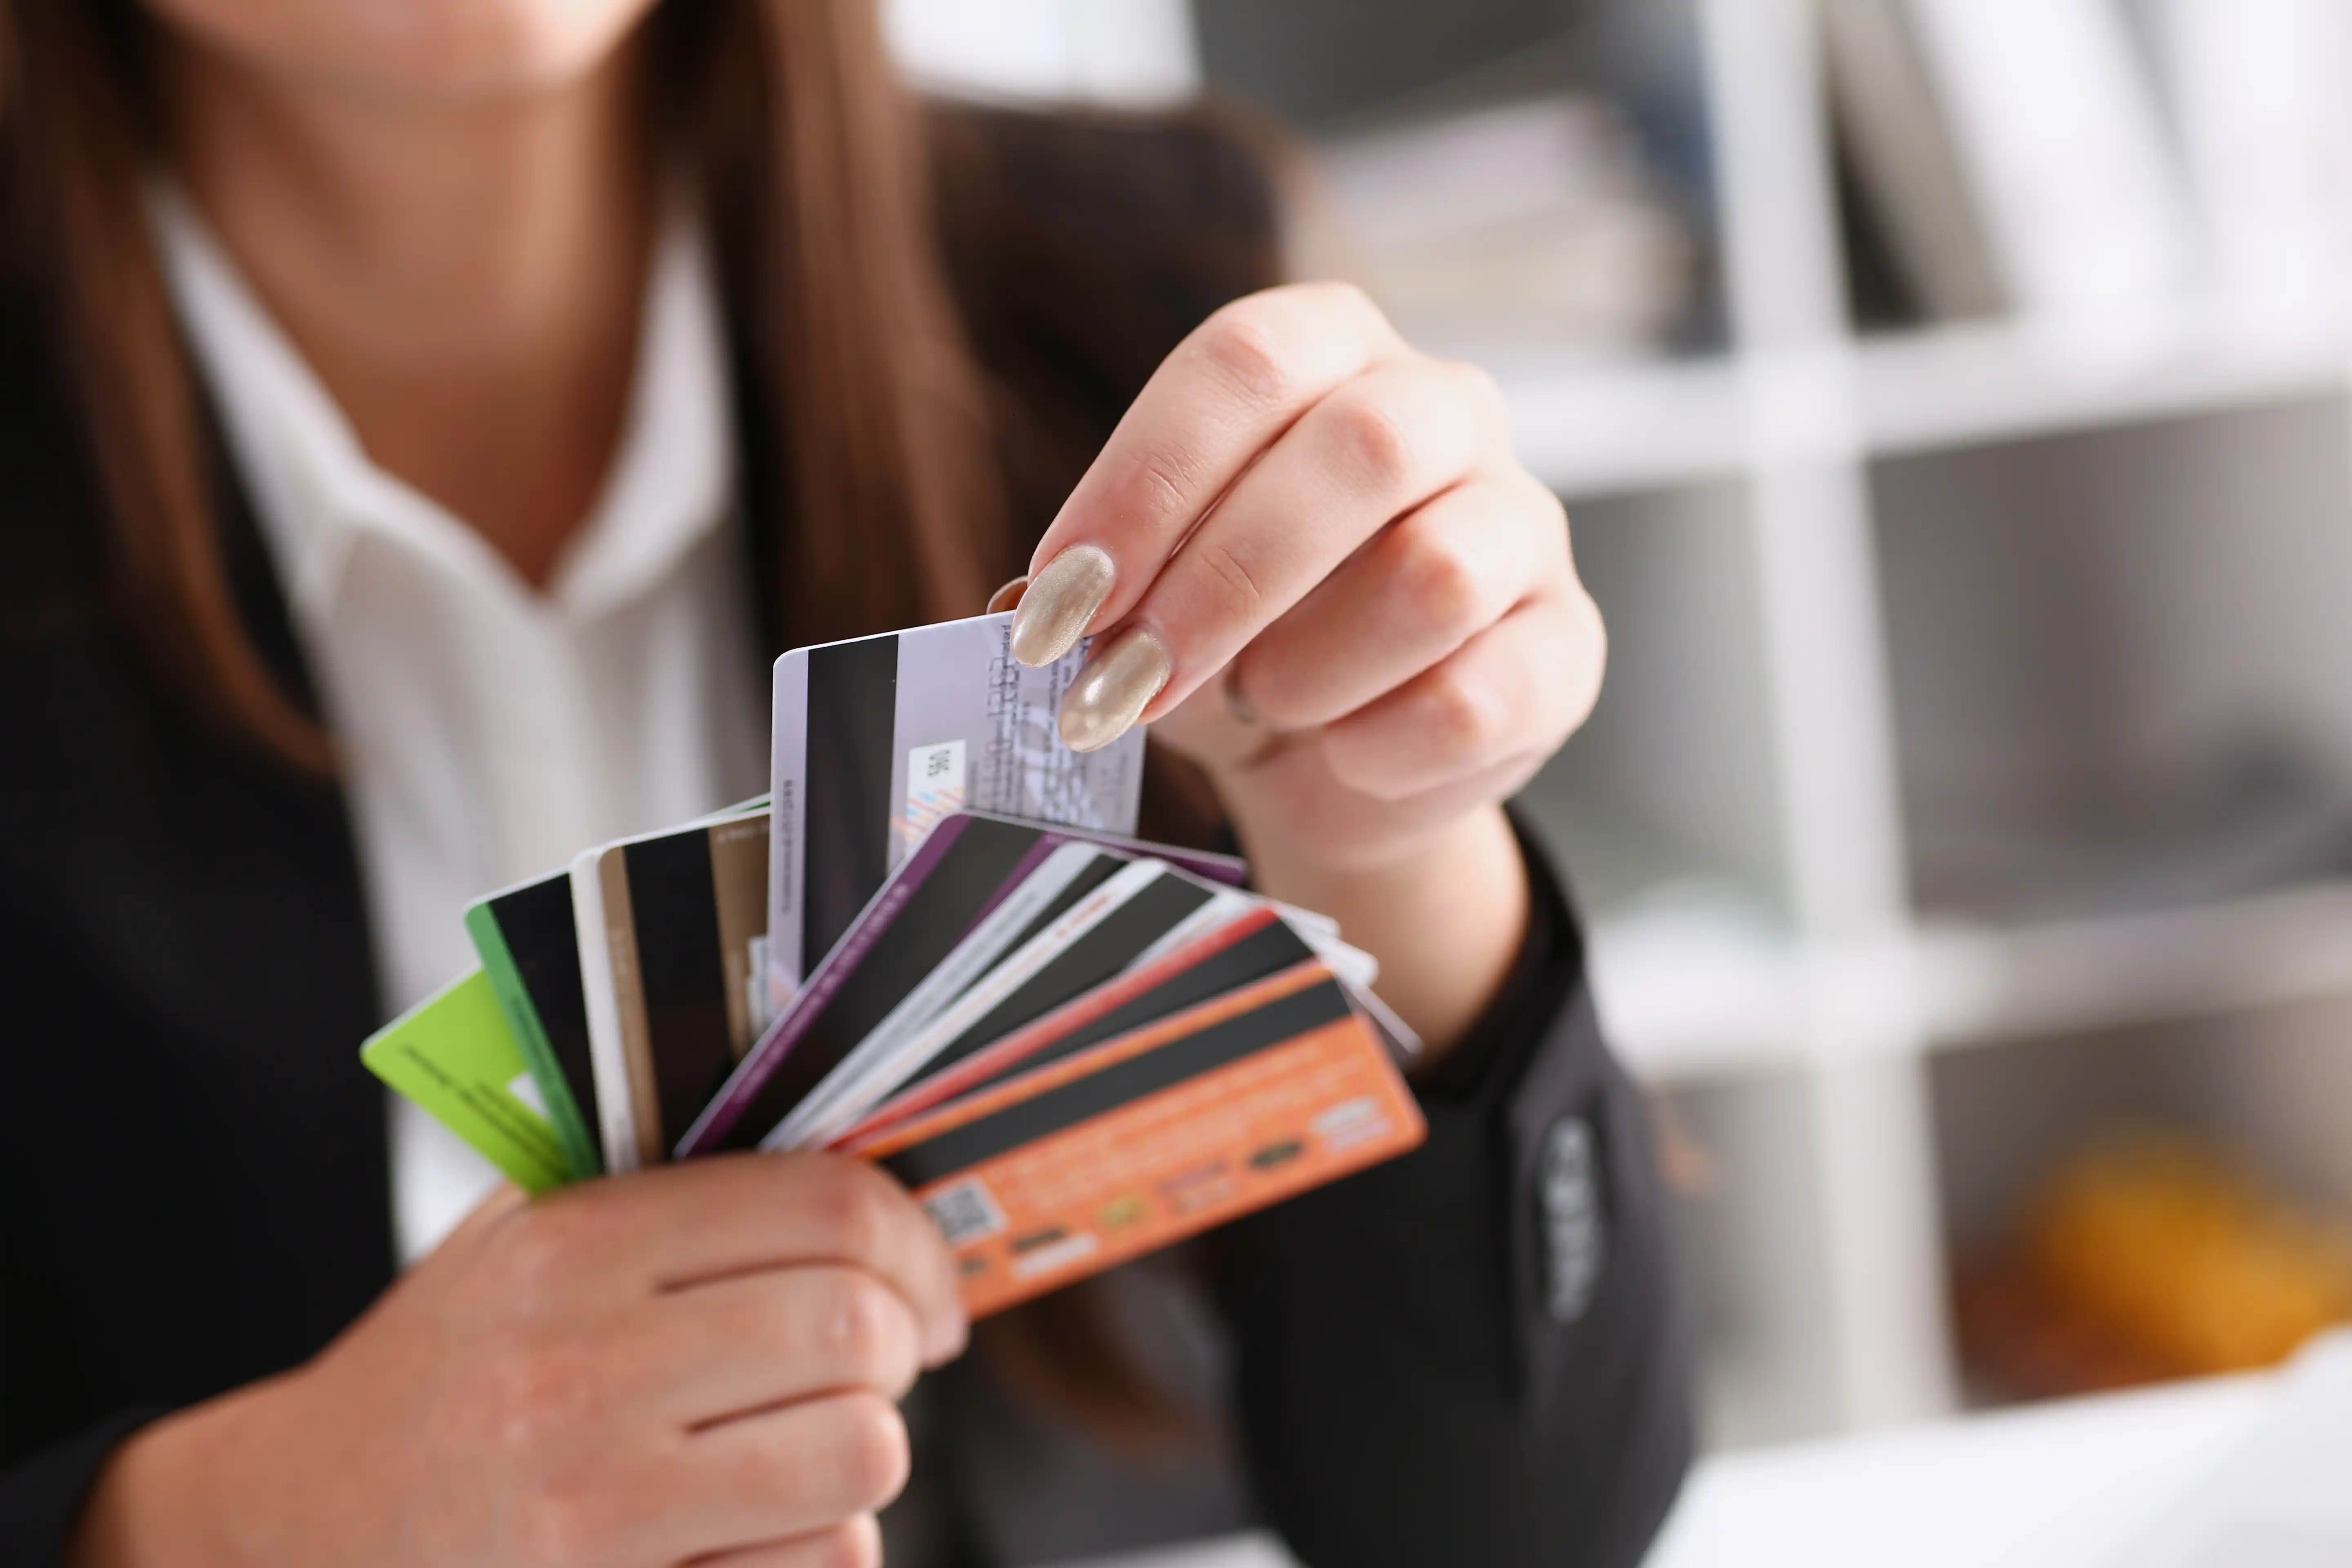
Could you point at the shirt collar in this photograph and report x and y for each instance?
(317, 492)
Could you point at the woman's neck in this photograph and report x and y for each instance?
(464, 276)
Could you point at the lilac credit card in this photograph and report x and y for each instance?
(880, 738)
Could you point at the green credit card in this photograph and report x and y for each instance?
(455, 1055)
(525, 935)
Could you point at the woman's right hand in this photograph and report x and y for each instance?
(698, 1361)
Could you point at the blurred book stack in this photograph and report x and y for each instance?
(1536, 217)
(2258, 86)
(2088, 164)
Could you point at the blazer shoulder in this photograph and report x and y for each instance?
(52, 554)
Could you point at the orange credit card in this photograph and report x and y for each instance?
(1213, 1112)
(1212, 965)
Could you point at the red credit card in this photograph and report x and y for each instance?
(1209, 1113)
(1208, 967)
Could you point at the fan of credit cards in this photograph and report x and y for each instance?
(932, 946)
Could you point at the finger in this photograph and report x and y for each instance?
(1231, 387)
(761, 1340)
(1373, 449)
(474, 1245)
(792, 1471)
(1520, 687)
(856, 1545)
(1420, 590)
(487, 1217)
(736, 1214)
(1350, 831)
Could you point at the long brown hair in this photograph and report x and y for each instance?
(813, 158)
(878, 456)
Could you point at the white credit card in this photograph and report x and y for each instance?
(617, 1125)
(878, 739)
(1090, 942)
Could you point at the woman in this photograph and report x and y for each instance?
(422, 421)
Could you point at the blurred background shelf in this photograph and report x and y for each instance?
(1982, 984)
(1953, 399)
(1695, 989)
(1962, 384)
(1590, 429)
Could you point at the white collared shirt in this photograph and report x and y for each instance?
(490, 729)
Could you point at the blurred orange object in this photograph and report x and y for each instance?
(2186, 1257)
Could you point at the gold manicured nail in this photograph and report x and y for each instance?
(1114, 690)
(1059, 602)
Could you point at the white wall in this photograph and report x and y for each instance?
(1098, 51)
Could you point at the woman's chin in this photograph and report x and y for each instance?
(412, 48)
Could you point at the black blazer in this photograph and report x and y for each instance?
(1470, 1355)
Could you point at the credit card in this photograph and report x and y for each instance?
(1231, 870)
(1075, 883)
(1223, 1108)
(971, 878)
(673, 1003)
(454, 1055)
(1247, 946)
(530, 949)
(878, 740)
(1095, 939)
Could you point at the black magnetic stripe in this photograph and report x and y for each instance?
(544, 943)
(1100, 870)
(852, 722)
(673, 904)
(966, 881)
(1097, 956)
(1284, 1019)
(1268, 951)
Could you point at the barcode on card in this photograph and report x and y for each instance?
(965, 1212)
(935, 789)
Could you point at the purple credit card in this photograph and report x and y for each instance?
(1230, 869)
(973, 877)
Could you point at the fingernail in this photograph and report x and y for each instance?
(948, 1339)
(1059, 602)
(1006, 597)
(1114, 690)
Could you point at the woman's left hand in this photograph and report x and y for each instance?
(1309, 551)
